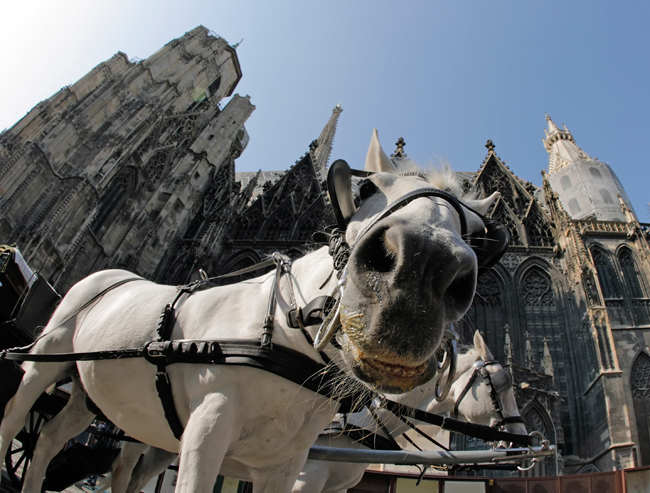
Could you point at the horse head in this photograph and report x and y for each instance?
(415, 249)
(483, 392)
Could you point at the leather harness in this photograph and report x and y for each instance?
(263, 354)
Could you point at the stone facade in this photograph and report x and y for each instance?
(134, 166)
(112, 169)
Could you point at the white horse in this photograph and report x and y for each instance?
(410, 274)
(471, 398)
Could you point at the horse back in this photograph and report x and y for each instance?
(86, 292)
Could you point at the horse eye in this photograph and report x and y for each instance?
(366, 189)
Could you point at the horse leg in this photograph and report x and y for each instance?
(124, 464)
(151, 464)
(312, 478)
(36, 378)
(208, 433)
(68, 423)
(280, 478)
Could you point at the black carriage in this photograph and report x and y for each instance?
(27, 301)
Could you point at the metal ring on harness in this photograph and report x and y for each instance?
(331, 323)
(445, 361)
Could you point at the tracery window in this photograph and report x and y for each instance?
(640, 378)
(630, 273)
(540, 312)
(640, 386)
(606, 276)
(637, 303)
(488, 313)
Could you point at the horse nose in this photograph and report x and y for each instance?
(434, 263)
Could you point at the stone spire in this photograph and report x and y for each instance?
(507, 345)
(321, 148)
(547, 361)
(561, 147)
(529, 358)
(399, 152)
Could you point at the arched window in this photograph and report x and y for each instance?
(488, 314)
(640, 378)
(607, 198)
(611, 287)
(542, 321)
(640, 386)
(595, 172)
(606, 276)
(635, 287)
(631, 275)
(565, 181)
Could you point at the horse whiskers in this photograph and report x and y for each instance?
(341, 385)
(482, 238)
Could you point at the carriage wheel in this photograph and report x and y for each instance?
(21, 449)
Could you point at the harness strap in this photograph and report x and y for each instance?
(383, 427)
(460, 398)
(479, 431)
(14, 355)
(369, 439)
(312, 313)
(422, 434)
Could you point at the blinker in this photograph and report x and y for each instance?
(489, 245)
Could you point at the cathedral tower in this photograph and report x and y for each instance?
(587, 187)
(111, 170)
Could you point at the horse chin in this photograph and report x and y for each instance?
(385, 374)
(391, 378)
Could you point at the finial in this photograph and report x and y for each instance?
(489, 145)
(338, 107)
(399, 149)
(547, 116)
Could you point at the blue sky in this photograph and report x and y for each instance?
(445, 75)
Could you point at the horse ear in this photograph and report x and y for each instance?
(481, 347)
(340, 191)
(482, 206)
(376, 159)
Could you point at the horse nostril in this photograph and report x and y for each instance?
(460, 292)
(377, 254)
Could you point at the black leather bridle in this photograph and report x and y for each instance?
(488, 245)
(480, 371)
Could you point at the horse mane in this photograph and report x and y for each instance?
(441, 176)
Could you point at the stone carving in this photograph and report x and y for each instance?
(589, 286)
(511, 261)
(536, 288)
